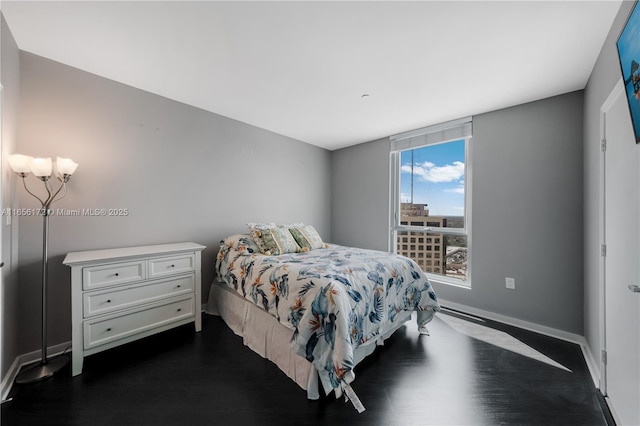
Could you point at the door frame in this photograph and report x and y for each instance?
(2, 222)
(618, 90)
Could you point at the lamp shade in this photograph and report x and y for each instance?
(65, 166)
(20, 163)
(41, 167)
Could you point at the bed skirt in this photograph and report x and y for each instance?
(263, 334)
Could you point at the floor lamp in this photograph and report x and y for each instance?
(42, 169)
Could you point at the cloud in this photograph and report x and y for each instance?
(458, 190)
(429, 172)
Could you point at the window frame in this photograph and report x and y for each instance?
(395, 201)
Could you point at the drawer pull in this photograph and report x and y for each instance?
(179, 309)
(116, 274)
(173, 266)
(108, 300)
(178, 286)
(109, 329)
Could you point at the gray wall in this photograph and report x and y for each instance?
(360, 196)
(604, 77)
(10, 78)
(183, 173)
(527, 210)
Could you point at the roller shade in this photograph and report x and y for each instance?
(449, 131)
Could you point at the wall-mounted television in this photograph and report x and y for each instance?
(629, 55)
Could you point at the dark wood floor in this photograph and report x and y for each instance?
(210, 378)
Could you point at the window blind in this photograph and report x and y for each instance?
(451, 130)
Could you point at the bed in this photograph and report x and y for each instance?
(317, 312)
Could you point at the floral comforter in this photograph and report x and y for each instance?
(333, 299)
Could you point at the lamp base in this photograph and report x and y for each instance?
(42, 370)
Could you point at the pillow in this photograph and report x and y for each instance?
(307, 237)
(263, 242)
(242, 243)
(290, 225)
(285, 239)
(273, 240)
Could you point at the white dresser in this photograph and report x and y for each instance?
(121, 295)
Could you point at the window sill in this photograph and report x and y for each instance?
(450, 282)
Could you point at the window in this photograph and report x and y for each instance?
(430, 195)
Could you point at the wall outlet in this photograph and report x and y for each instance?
(511, 283)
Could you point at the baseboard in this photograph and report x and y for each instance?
(8, 379)
(592, 364)
(24, 360)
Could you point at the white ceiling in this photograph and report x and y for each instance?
(300, 68)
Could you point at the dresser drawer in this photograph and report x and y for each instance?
(171, 265)
(113, 274)
(97, 303)
(100, 332)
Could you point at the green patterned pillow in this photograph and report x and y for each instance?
(307, 237)
(262, 239)
(285, 240)
(272, 240)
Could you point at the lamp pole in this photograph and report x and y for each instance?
(20, 165)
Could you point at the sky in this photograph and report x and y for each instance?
(438, 178)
